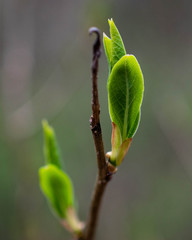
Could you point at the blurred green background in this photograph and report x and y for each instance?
(45, 59)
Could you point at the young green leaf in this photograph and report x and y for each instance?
(125, 89)
(125, 93)
(57, 187)
(117, 46)
(51, 151)
(107, 47)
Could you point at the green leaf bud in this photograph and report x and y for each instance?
(51, 151)
(125, 94)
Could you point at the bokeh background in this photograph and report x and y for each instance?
(45, 59)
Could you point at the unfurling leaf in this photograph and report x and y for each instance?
(58, 189)
(117, 46)
(51, 150)
(125, 93)
(107, 46)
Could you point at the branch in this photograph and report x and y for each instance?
(95, 121)
(104, 173)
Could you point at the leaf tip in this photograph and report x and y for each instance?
(109, 21)
(46, 127)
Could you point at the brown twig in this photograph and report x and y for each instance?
(103, 173)
(95, 121)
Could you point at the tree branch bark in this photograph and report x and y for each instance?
(104, 175)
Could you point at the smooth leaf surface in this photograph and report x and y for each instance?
(51, 150)
(117, 46)
(125, 88)
(57, 187)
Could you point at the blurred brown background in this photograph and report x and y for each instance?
(45, 58)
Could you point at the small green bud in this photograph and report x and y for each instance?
(51, 151)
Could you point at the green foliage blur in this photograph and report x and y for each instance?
(45, 59)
